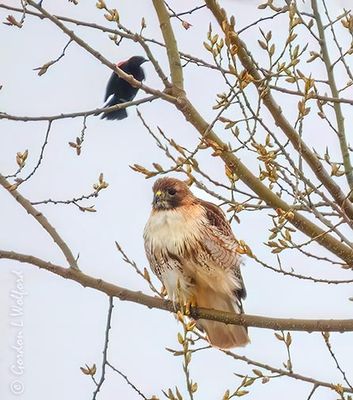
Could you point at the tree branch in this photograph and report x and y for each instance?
(315, 325)
(176, 70)
(326, 338)
(127, 380)
(105, 349)
(327, 99)
(119, 106)
(274, 370)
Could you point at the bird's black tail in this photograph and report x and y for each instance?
(117, 114)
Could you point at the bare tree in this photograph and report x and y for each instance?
(281, 100)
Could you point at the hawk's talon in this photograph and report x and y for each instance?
(187, 308)
(191, 303)
(163, 291)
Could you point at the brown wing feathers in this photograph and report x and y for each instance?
(217, 218)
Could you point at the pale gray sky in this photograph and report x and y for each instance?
(64, 324)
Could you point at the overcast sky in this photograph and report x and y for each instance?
(63, 323)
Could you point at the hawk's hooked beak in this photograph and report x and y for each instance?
(158, 197)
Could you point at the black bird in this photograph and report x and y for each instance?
(119, 91)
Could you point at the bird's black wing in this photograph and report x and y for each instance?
(111, 86)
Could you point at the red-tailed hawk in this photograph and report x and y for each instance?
(191, 248)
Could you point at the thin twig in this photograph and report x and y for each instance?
(20, 181)
(43, 69)
(284, 10)
(145, 275)
(327, 99)
(190, 11)
(105, 349)
(127, 380)
(326, 338)
(312, 391)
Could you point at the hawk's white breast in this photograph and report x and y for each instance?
(172, 230)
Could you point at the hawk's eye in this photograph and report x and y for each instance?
(171, 191)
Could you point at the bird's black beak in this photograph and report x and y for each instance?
(145, 60)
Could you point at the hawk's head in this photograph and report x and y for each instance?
(170, 193)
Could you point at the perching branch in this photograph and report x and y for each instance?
(50, 118)
(288, 324)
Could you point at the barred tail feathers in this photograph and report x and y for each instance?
(220, 334)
